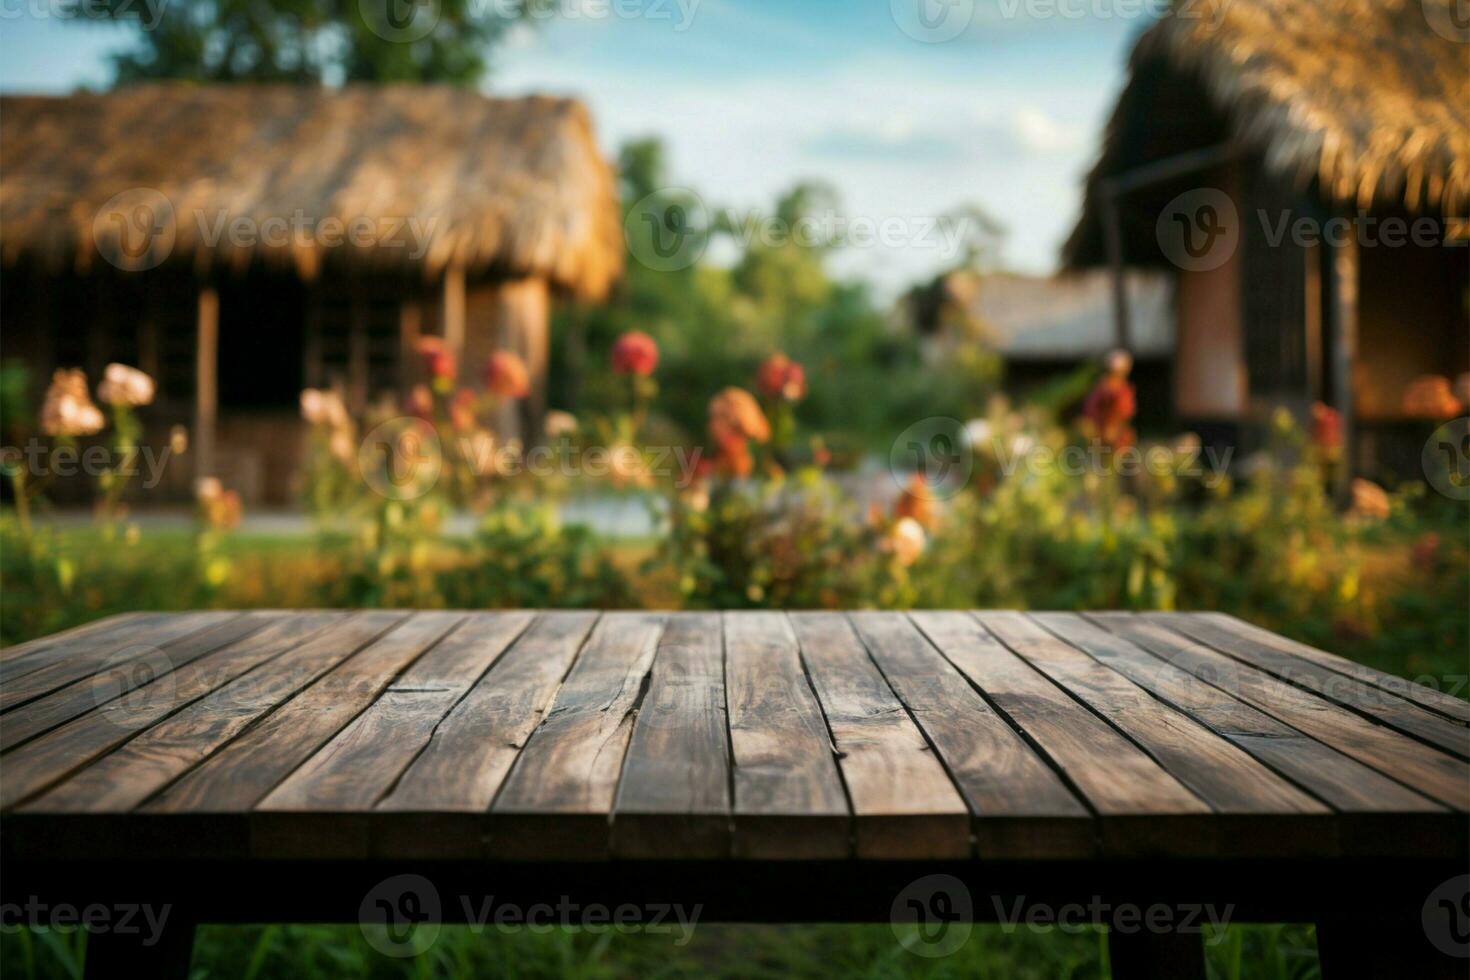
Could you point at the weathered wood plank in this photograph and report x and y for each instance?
(115, 678)
(903, 802)
(1427, 697)
(438, 808)
(239, 775)
(1141, 805)
(1433, 773)
(40, 763)
(133, 772)
(558, 798)
(13, 658)
(1226, 636)
(1217, 771)
(674, 796)
(1343, 782)
(358, 767)
(83, 659)
(1022, 808)
(789, 800)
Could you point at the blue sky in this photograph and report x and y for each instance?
(751, 96)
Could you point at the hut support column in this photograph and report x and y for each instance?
(1113, 236)
(454, 310)
(206, 381)
(1344, 278)
(516, 316)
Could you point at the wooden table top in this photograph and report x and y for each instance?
(745, 735)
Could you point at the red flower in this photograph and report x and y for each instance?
(1326, 428)
(1110, 406)
(462, 411)
(781, 377)
(439, 360)
(420, 403)
(505, 375)
(635, 353)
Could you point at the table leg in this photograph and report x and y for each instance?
(139, 953)
(1383, 948)
(1143, 955)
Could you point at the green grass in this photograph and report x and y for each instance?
(714, 952)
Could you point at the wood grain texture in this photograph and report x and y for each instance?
(674, 796)
(1230, 637)
(789, 800)
(1021, 806)
(139, 642)
(1417, 766)
(903, 802)
(18, 657)
(121, 673)
(1142, 807)
(558, 799)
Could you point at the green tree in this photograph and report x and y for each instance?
(308, 41)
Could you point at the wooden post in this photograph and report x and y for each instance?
(206, 381)
(357, 352)
(1344, 272)
(410, 328)
(1113, 234)
(521, 322)
(453, 310)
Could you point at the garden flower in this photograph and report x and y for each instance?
(635, 353)
(781, 377)
(439, 360)
(734, 413)
(978, 432)
(324, 407)
(462, 411)
(505, 375)
(626, 467)
(1326, 428)
(1111, 404)
(219, 508)
(913, 502)
(68, 409)
(559, 423)
(1425, 550)
(124, 386)
(906, 539)
(420, 403)
(1369, 500)
(1429, 396)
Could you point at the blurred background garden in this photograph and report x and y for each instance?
(592, 379)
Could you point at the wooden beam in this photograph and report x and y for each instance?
(206, 381)
(1113, 239)
(410, 329)
(1344, 273)
(453, 311)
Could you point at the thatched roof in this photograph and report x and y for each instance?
(503, 187)
(1366, 102)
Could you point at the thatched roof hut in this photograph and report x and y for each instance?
(1301, 168)
(510, 187)
(1365, 101)
(242, 242)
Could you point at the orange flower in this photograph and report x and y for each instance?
(68, 409)
(635, 353)
(1326, 428)
(781, 377)
(505, 375)
(1370, 501)
(420, 403)
(913, 502)
(462, 411)
(1109, 408)
(439, 360)
(734, 412)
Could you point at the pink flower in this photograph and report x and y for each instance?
(781, 377)
(635, 353)
(1326, 428)
(67, 409)
(125, 386)
(505, 375)
(439, 360)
